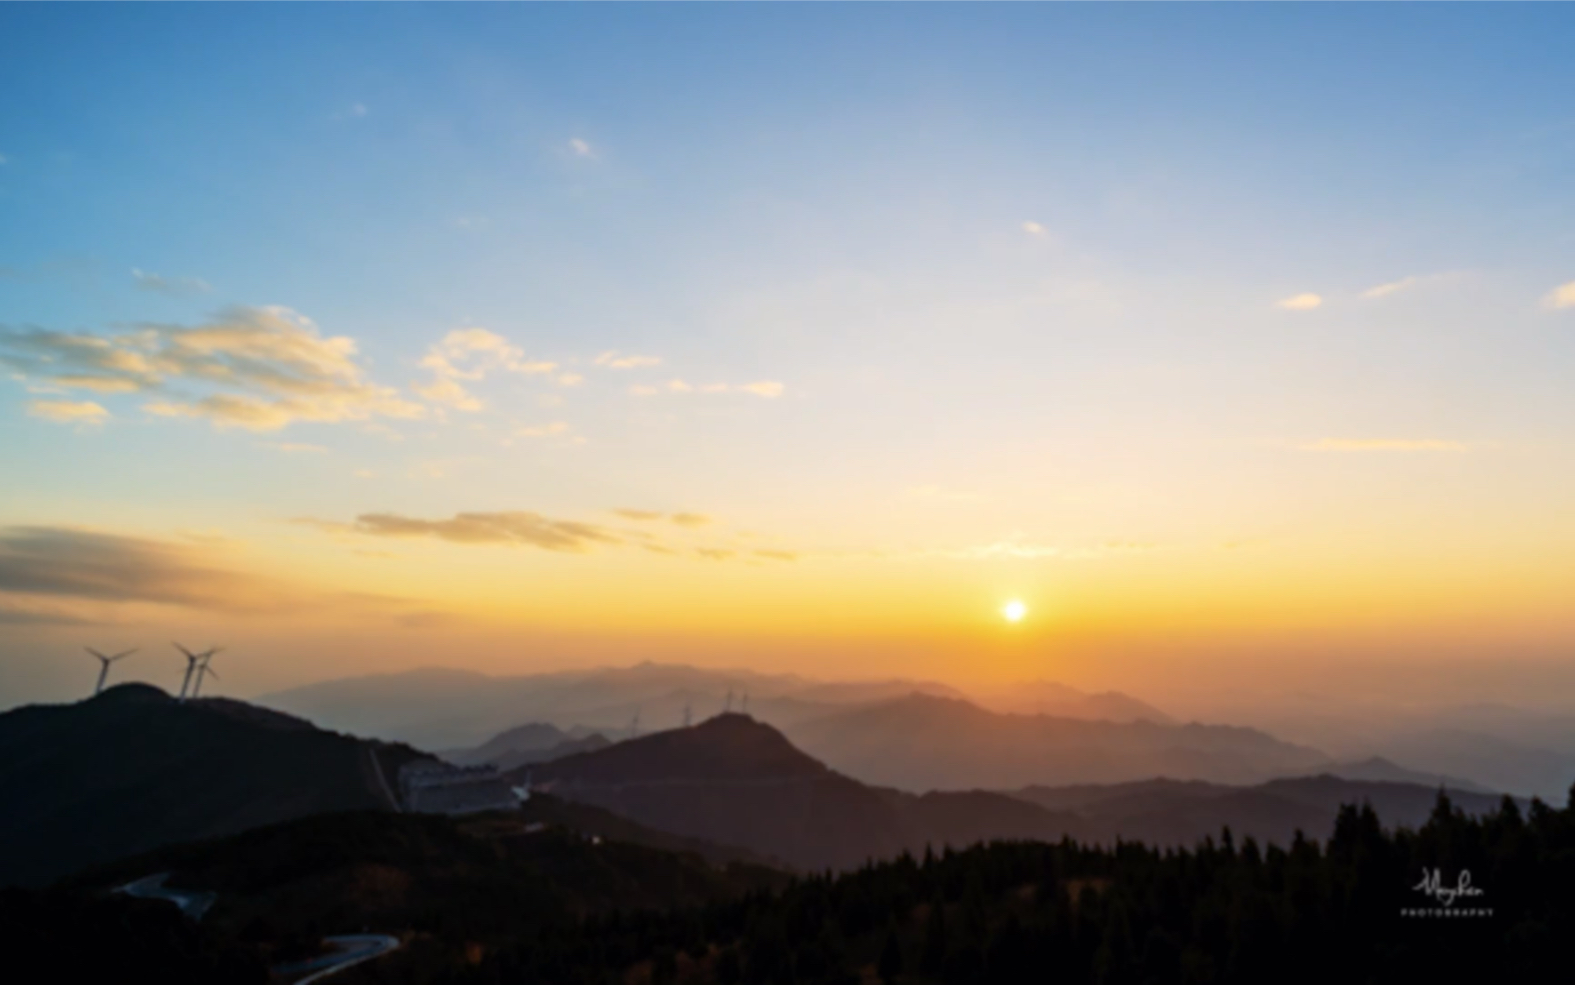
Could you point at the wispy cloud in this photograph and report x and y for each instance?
(580, 147)
(614, 359)
(543, 430)
(67, 575)
(296, 448)
(1560, 297)
(65, 562)
(470, 354)
(1300, 302)
(1034, 229)
(1383, 444)
(1017, 546)
(768, 389)
(255, 368)
(681, 519)
(1397, 286)
(946, 495)
(515, 528)
(68, 411)
(175, 287)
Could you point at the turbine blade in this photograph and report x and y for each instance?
(189, 654)
(122, 654)
(95, 653)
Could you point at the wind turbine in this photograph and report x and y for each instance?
(203, 670)
(634, 725)
(103, 671)
(192, 662)
(688, 714)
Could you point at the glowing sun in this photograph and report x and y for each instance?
(1014, 610)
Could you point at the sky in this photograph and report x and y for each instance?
(1233, 342)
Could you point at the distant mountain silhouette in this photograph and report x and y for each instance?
(1061, 701)
(1171, 812)
(453, 709)
(132, 769)
(1487, 759)
(737, 781)
(1379, 770)
(533, 743)
(921, 742)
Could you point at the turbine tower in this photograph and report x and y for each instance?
(634, 725)
(203, 670)
(103, 671)
(688, 714)
(193, 661)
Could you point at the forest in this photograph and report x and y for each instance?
(1007, 913)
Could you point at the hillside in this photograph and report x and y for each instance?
(737, 781)
(921, 742)
(132, 769)
(1060, 701)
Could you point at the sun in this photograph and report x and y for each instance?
(1014, 611)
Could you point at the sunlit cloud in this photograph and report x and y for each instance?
(68, 411)
(510, 528)
(581, 148)
(262, 368)
(1383, 444)
(1560, 297)
(1034, 229)
(1300, 302)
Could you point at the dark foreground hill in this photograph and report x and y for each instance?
(736, 781)
(447, 886)
(78, 937)
(132, 769)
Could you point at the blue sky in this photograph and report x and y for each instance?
(957, 278)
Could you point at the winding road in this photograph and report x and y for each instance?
(193, 904)
(347, 950)
(351, 949)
